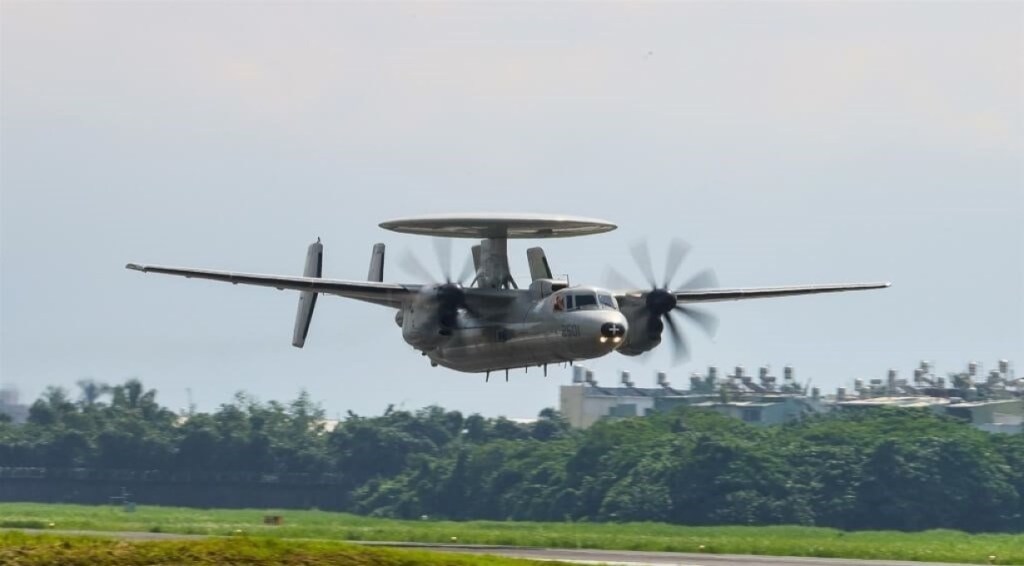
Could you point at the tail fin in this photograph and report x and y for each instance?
(307, 299)
(476, 259)
(376, 273)
(539, 268)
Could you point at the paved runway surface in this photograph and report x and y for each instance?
(637, 558)
(580, 556)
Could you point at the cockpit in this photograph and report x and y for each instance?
(565, 301)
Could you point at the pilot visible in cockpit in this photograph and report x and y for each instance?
(559, 303)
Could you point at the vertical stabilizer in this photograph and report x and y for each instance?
(539, 268)
(476, 258)
(376, 273)
(307, 299)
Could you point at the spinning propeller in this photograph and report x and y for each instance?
(450, 294)
(660, 302)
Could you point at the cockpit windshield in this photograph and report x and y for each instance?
(584, 300)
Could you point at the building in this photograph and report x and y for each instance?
(760, 402)
(993, 403)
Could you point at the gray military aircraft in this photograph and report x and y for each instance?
(490, 323)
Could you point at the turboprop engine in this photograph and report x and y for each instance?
(644, 330)
(450, 299)
(430, 319)
(650, 312)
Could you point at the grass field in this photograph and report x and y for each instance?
(937, 546)
(17, 549)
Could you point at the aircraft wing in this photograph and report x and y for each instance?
(710, 295)
(739, 293)
(387, 294)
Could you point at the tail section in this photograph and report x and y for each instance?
(539, 268)
(376, 273)
(307, 299)
(477, 262)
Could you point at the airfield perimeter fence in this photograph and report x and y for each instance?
(178, 488)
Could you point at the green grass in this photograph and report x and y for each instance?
(936, 546)
(18, 549)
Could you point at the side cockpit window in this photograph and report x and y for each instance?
(558, 303)
(607, 301)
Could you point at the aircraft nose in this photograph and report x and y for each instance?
(613, 330)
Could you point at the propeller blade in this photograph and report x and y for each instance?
(704, 280)
(703, 319)
(661, 302)
(617, 280)
(677, 251)
(443, 250)
(467, 271)
(642, 256)
(412, 265)
(680, 350)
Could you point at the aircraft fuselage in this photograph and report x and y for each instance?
(527, 333)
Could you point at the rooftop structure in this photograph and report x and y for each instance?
(994, 403)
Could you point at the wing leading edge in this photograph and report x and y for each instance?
(387, 294)
(711, 295)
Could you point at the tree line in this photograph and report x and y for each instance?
(904, 469)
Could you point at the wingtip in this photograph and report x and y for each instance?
(134, 267)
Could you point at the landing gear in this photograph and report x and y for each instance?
(487, 376)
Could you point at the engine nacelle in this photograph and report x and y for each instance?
(431, 318)
(420, 326)
(644, 332)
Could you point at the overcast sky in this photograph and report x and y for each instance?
(787, 142)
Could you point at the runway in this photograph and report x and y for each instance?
(576, 556)
(641, 558)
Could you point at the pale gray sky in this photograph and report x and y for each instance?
(788, 142)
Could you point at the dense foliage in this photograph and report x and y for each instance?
(878, 469)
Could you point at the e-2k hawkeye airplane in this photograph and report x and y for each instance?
(490, 323)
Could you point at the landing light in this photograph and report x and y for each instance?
(604, 339)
